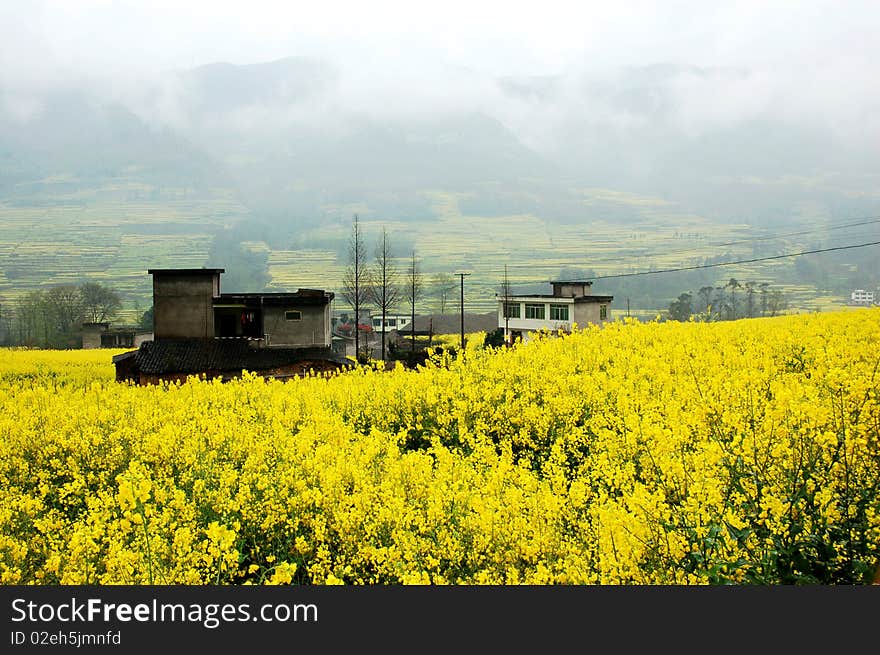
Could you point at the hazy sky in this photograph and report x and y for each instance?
(496, 36)
(801, 58)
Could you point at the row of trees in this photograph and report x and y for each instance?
(379, 283)
(729, 302)
(53, 317)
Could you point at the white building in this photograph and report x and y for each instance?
(392, 322)
(862, 297)
(570, 303)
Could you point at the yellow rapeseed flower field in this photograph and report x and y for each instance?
(684, 453)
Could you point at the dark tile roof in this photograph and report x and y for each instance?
(578, 299)
(300, 297)
(594, 299)
(184, 356)
(185, 271)
(451, 323)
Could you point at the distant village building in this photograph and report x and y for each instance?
(570, 303)
(435, 324)
(199, 331)
(862, 297)
(103, 335)
(392, 322)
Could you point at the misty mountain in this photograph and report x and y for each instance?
(90, 142)
(298, 139)
(702, 137)
(222, 87)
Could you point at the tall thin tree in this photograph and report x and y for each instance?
(505, 302)
(355, 279)
(384, 289)
(414, 292)
(444, 287)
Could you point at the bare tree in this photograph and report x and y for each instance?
(27, 315)
(764, 286)
(100, 303)
(414, 292)
(777, 302)
(733, 284)
(384, 290)
(63, 311)
(444, 287)
(355, 280)
(5, 324)
(505, 303)
(705, 294)
(750, 299)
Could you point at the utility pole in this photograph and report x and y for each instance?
(505, 290)
(461, 306)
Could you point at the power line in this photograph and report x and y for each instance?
(865, 220)
(855, 222)
(801, 233)
(462, 276)
(741, 261)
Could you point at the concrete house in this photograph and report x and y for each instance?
(104, 335)
(570, 303)
(197, 330)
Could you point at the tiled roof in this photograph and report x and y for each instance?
(184, 356)
(300, 297)
(451, 323)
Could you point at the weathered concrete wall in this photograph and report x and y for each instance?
(589, 312)
(183, 306)
(571, 289)
(313, 329)
(92, 335)
(140, 337)
(535, 324)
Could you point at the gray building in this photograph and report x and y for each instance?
(197, 330)
(104, 335)
(570, 304)
(187, 304)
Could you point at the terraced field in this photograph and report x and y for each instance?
(114, 234)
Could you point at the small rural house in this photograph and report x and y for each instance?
(199, 331)
(104, 335)
(392, 322)
(570, 303)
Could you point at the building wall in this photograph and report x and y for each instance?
(580, 313)
(92, 335)
(533, 324)
(183, 306)
(571, 290)
(589, 312)
(312, 330)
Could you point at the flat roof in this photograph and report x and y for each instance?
(185, 271)
(300, 297)
(563, 299)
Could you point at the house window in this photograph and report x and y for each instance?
(293, 316)
(603, 312)
(535, 311)
(558, 312)
(512, 310)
